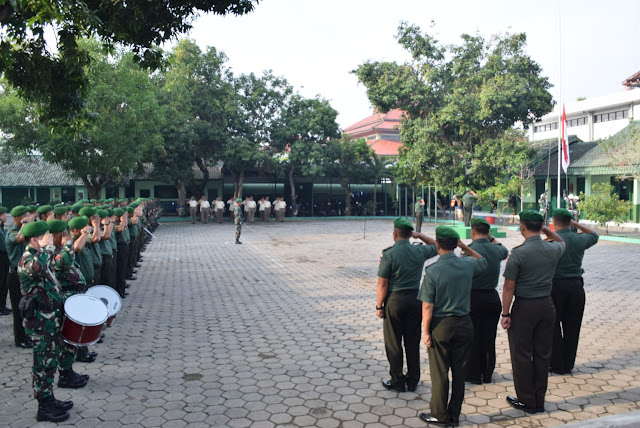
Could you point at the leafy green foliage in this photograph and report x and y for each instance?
(196, 93)
(117, 128)
(55, 77)
(604, 206)
(460, 101)
(623, 151)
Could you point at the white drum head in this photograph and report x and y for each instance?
(86, 310)
(108, 296)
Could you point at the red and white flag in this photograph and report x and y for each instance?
(565, 143)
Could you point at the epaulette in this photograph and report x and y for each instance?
(382, 253)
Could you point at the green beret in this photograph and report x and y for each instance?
(239, 200)
(119, 212)
(106, 206)
(88, 211)
(45, 209)
(446, 232)
(479, 220)
(60, 210)
(78, 222)
(3, 210)
(35, 228)
(402, 223)
(58, 205)
(102, 213)
(57, 226)
(19, 210)
(467, 190)
(561, 212)
(32, 208)
(110, 212)
(76, 208)
(109, 200)
(531, 215)
(135, 205)
(92, 201)
(101, 200)
(418, 198)
(130, 209)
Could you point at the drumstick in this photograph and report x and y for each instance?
(149, 232)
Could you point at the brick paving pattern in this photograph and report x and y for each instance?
(281, 331)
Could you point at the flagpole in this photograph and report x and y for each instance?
(561, 103)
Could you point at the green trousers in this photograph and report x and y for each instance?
(451, 341)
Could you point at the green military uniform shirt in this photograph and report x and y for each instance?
(15, 249)
(532, 265)
(570, 264)
(123, 237)
(133, 231)
(402, 264)
(469, 199)
(105, 247)
(36, 278)
(113, 241)
(3, 237)
(494, 254)
(84, 260)
(447, 284)
(67, 273)
(96, 252)
(418, 208)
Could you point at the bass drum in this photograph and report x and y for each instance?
(109, 297)
(84, 317)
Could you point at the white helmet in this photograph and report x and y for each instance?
(570, 195)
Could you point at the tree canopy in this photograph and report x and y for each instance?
(459, 100)
(54, 75)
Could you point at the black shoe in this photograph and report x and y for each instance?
(516, 404)
(62, 405)
(71, 379)
(454, 422)
(238, 242)
(560, 372)
(411, 388)
(101, 338)
(127, 285)
(474, 381)
(88, 358)
(48, 412)
(137, 265)
(387, 384)
(426, 417)
(132, 278)
(134, 271)
(5, 311)
(25, 344)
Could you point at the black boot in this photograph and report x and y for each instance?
(62, 405)
(48, 412)
(71, 379)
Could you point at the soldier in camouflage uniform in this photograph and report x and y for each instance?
(42, 312)
(71, 282)
(238, 219)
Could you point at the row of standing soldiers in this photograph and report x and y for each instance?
(459, 308)
(264, 207)
(51, 253)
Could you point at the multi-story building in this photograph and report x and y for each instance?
(381, 130)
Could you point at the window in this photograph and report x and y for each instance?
(577, 122)
(545, 128)
(605, 117)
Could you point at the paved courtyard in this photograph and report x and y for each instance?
(281, 331)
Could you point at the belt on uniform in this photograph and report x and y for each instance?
(407, 291)
(483, 290)
(532, 298)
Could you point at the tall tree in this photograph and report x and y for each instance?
(118, 128)
(622, 152)
(257, 113)
(304, 129)
(456, 99)
(350, 161)
(54, 75)
(196, 92)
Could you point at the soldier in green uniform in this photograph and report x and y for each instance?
(45, 212)
(529, 323)
(448, 332)
(469, 199)
(15, 244)
(133, 237)
(568, 290)
(4, 264)
(237, 220)
(105, 247)
(42, 310)
(71, 282)
(122, 239)
(60, 213)
(485, 303)
(418, 210)
(114, 247)
(93, 243)
(397, 302)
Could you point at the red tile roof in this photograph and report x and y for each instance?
(385, 147)
(633, 80)
(376, 123)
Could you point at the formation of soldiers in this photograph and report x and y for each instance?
(54, 252)
(456, 309)
(216, 209)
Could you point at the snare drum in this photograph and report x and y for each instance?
(109, 297)
(83, 320)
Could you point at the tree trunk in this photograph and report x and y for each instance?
(182, 194)
(205, 177)
(345, 187)
(94, 188)
(238, 180)
(292, 184)
(375, 197)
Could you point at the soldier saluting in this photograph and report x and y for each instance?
(397, 302)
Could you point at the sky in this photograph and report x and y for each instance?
(315, 44)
